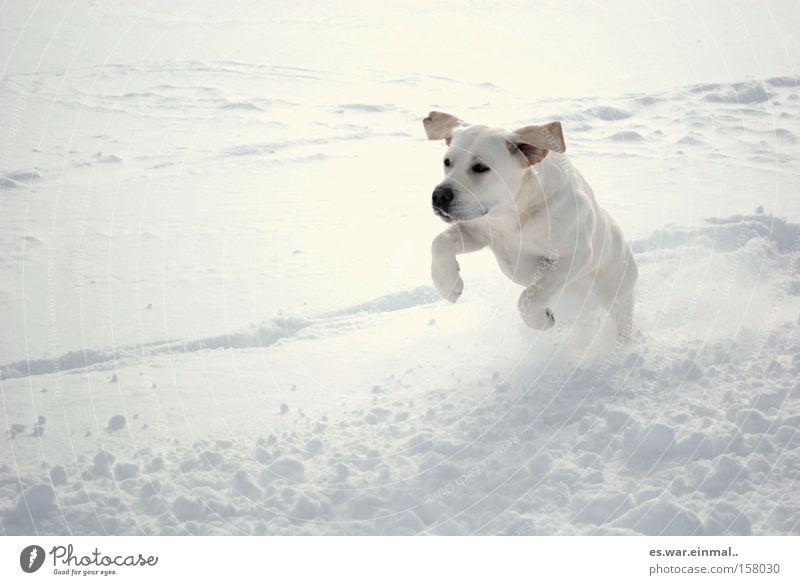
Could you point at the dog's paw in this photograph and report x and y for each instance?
(536, 317)
(447, 280)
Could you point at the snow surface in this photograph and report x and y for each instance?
(214, 288)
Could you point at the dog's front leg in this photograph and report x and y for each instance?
(457, 239)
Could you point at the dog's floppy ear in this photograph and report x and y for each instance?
(534, 142)
(439, 126)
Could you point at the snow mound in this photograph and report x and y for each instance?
(17, 179)
(366, 107)
(245, 105)
(6, 183)
(263, 335)
(627, 136)
(784, 82)
(740, 93)
(608, 113)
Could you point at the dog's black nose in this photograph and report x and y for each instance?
(442, 196)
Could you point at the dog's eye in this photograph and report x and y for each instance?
(447, 162)
(479, 168)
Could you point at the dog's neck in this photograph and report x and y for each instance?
(540, 183)
(544, 180)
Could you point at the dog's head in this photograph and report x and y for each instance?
(484, 167)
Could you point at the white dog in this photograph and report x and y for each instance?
(535, 211)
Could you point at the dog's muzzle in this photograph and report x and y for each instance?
(441, 200)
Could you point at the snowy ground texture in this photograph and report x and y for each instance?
(214, 286)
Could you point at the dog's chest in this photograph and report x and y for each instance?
(521, 254)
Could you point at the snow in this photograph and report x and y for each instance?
(214, 274)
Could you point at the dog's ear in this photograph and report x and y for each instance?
(534, 142)
(440, 126)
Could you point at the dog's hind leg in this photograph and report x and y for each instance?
(621, 311)
(619, 304)
(615, 292)
(615, 286)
